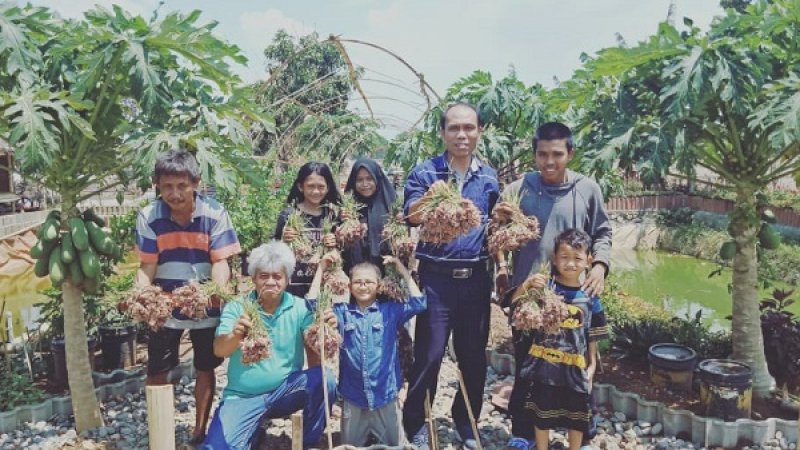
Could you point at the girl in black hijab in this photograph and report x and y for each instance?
(371, 187)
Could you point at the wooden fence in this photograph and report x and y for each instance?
(785, 216)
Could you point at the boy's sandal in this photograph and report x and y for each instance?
(519, 443)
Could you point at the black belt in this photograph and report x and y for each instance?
(458, 271)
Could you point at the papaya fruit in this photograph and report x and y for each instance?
(80, 237)
(54, 214)
(90, 215)
(90, 264)
(41, 267)
(98, 238)
(56, 267)
(42, 249)
(768, 237)
(36, 250)
(67, 250)
(75, 272)
(49, 230)
(728, 250)
(106, 247)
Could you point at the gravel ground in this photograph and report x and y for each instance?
(126, 425)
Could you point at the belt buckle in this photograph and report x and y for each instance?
(462, 273)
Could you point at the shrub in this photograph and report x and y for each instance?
(17, 389)
(697, 335)
(674, 217)
(781, 331)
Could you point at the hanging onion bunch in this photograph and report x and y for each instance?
(302, 246)
(334, 279)
(513, 234)
(256, 345)
(540, 309)
(397, 236)
(191, 300)
(320, 329)
(149, 305)
(352, 229)
(393, 285)
(446, 215)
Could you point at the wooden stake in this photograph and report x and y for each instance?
(433, 433)
(325, 384)
(297, 431)
(472, 421)
(161, 416)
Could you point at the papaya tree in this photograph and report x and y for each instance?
(87, 104)
(727, 101)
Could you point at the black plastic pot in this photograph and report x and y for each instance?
(672, 366)
(58, 374)
(726, 388)
(118, 346)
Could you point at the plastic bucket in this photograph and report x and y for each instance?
(672, 366)
(59, 376)
(118, 345)
(726, 388)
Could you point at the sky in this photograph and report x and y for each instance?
(445, 40)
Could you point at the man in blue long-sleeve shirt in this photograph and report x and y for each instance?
(455, 277)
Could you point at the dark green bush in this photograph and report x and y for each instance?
(17, 389)
(674, 217)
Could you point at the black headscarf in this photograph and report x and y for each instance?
(378, 206)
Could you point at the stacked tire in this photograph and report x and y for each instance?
(72, 248)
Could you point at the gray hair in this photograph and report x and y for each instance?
(271, 257)
(177, 162)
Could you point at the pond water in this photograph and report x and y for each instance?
(679, 283)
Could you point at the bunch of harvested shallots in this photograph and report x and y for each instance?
(393, 285)
(516, 232)
(302, 246)
(334, 279)
(320, 335)
(256, 345)
(540, 309)
(446, 215)
(149, 305)
(352, 229)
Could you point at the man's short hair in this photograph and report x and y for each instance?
(177, 162)
(575, 238)
(443, 116)
(553, 131)
(366, 265)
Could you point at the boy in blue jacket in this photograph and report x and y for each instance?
(369, 364)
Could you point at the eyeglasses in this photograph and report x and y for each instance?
(363, 283)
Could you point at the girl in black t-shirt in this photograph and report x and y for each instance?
(313, 192)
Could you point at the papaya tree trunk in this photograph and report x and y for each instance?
(748, 342)
(81, 386)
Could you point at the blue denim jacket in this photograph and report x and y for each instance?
(369, 364)
(480, 186)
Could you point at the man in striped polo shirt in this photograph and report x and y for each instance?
(184, 236)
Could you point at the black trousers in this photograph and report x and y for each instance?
(460, 306)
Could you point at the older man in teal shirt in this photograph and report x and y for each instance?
(276, 386)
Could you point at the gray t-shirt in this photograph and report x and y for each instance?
(578, 203)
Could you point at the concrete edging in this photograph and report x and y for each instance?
(706, 431)
(115, 383)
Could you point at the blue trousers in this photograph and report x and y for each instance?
(236, 420)
(460, 306)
